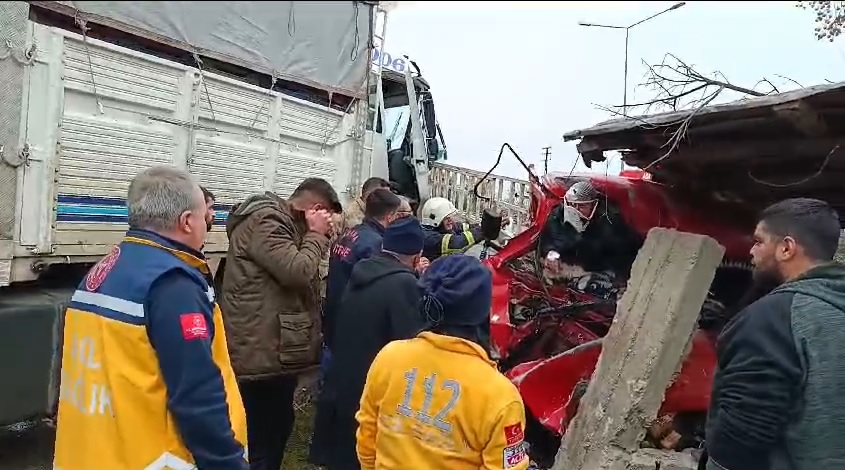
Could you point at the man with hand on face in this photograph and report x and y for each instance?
(271, 304)
(145, 337)
(777, 400)
(379, 306)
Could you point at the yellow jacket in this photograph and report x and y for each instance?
(437, 401)
(146, 381)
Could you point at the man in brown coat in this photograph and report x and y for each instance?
(271, 306)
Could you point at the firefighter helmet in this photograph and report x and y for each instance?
(435, 210)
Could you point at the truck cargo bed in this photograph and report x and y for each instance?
(95, 114)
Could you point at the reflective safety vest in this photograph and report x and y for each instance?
(112, 412)
(462, 237)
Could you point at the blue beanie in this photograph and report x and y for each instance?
(404, 237)
(457, 291)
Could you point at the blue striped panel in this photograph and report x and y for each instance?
(93, 209)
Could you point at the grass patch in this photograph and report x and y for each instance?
(296, 453)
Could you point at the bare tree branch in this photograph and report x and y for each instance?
(677, 86)
(766, 81)
(790, 80)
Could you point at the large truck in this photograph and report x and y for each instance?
(248, 96)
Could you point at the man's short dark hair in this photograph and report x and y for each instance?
(381, 202)
(812, 223)
(209, 196)
(322, 189)
(374, 183)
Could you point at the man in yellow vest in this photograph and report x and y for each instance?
(146, 381)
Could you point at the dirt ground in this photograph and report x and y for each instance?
(30, 447)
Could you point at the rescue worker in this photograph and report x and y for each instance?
(358, 243)
(586, 242)
(437, 400)
(444, 234)
(146, 381)
(271, 304)
(379, 306)
(351, 217)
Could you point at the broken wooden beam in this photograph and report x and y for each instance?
(801, 115)
(643, 350)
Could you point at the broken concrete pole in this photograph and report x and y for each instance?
(644, 348)
(651, 459)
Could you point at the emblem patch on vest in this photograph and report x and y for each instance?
(193, 326)
(98, 273)
(514, 434)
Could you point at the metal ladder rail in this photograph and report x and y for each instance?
(373, 105)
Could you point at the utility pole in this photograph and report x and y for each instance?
(547, 151)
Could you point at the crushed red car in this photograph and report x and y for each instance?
(709, 171)
(547, 338)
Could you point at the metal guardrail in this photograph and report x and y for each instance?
(510, 195)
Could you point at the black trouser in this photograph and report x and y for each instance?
(269, 419)
(323, 436)
(334, 440)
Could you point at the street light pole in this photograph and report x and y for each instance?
(625, 80)
(627, 36)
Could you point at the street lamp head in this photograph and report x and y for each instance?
(677, 5)
(595, 25)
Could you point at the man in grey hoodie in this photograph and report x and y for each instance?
(778, 398)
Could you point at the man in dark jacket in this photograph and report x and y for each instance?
(379, 306)
(586, 243)
(271, 306)
(357, 243)
(778, 399)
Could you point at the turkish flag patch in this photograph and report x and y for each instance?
(193, 326)
(514, 434)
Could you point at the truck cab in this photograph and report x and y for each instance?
(408, 139)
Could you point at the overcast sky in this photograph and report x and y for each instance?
(527, 74)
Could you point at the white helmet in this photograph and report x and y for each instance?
(435, 210)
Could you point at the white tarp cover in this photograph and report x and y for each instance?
(319, 43)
